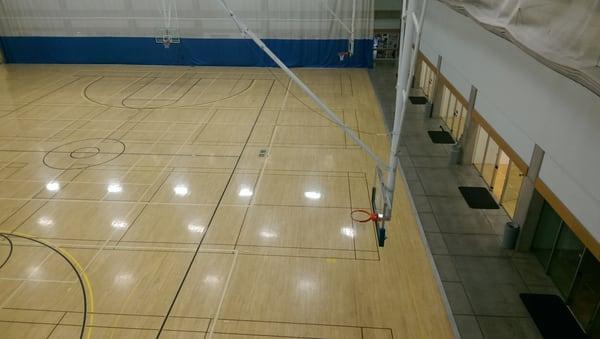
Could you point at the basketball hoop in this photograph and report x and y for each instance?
(167, 41)
(343, 55)
(167, 37)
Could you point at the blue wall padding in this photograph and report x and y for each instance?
(191, 52)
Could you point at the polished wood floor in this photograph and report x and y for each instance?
(178, 202)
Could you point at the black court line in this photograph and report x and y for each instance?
(87, 96)
(10, 251)
(46, 201)
(191, 249)
(166, 105)
(41, 97)
(212, 217)
(168, 174)
(79, 278)
(85, 166)
(361, 328)
(57, 324)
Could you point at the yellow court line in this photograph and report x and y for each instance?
(86, 280)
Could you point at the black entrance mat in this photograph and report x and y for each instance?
(551, 316)
(418, 100)
(479, 198)
(440, 137)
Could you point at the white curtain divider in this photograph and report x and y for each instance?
(270, 19)
(563, 34)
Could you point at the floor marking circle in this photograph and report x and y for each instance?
(84, 153)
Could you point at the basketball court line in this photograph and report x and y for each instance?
(170, 249)
(88, 97)
(213, 215)
(266, 322)
(89, 263)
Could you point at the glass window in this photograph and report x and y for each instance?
(489, 162)
(451, 109)
(461, 127)
(594, 330)
(585, 297)
(480, 145)
(501, 175)
(565, 259)
(444, 103)
(512, 189)
(545, 234)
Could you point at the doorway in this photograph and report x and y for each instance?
(453, 113)
(572, 267)
(498, 170)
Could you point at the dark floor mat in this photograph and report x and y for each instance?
(551, 316)
(418, 100)
(479, 198)
(440, 137)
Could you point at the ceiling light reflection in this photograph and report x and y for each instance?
(211, 279)
(114, 188)
(245, 192)
(53, 186)
(313, 195)
(117, 223)
(348, 231)
(181, 190)
(268, 234)
(45, 221)
(195, 228)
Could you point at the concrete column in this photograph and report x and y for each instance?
(466, 143)
(527, 204)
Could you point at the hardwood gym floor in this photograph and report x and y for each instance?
(199, 203)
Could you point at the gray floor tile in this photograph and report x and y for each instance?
(429, 222)
(493, 299)
(544, 289)
(446, 268)
(422, 203)
(451, 205)
(498, 222)
(468, 247)
(439, 181)
(474, 245)
(467, 224)
(468, 327)
(459, 303)
(436, 243)
(406, 161)
(423, 149)
(467, 175)
(415, 187)
(531, 271)
(487, 270)
(431, 161)
(505, 327)
(410, 173)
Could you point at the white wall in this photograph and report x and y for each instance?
(526, 103)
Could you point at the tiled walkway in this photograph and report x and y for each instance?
(482, 280)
